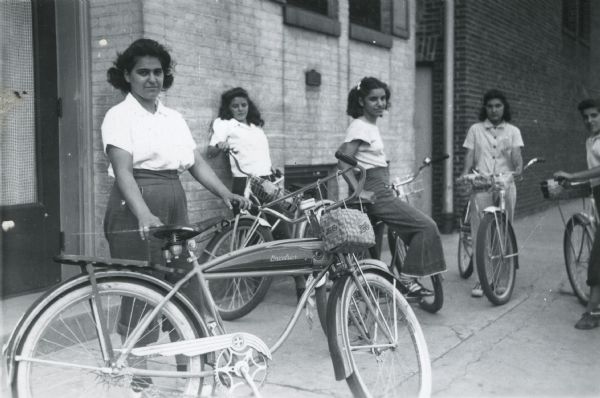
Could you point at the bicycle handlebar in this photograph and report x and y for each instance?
(426, 163)
(267, 208)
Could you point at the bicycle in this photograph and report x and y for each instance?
(236, 297)
(113, 328)
(430, 303)
(580, 230)
(496, 253)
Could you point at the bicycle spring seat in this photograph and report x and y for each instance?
(175, 234)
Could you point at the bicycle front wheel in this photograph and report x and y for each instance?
(465, 245)
(61, 356)
(386, 347)
(497, 258)
(577, 246)
(236, 297)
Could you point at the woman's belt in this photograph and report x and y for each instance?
(140, 174)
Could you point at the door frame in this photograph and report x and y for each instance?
(75, 128)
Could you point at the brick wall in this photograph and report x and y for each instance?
(518, 47)
(221, 44)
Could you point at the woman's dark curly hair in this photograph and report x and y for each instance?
(587, 104)
(362, 90)
(253, 112)
(499, 95)
(126, 61)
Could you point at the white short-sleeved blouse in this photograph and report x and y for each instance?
(156, 141)
(249, 143)
(370, 151)
(493, 146)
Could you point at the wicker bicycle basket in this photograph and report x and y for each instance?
(552, 190)
(267, 191)
(347, 231)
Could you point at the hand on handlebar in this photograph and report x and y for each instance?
(563, 176)
(239, 201)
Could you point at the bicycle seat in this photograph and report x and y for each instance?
(175, 233)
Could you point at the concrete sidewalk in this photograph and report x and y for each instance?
(525, 348)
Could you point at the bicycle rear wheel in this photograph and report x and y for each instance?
(433, 283)
(497, 258)
(236, 297)
(66, 338)
(386, 348)
(577, 246)
(465, 245)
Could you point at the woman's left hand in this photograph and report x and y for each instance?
(232, 199)
(563, 175)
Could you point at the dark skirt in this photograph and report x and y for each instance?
(593, 276)
(165, 197)
(425, 255)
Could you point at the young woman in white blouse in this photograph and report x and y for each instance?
(366, 104)
(148, 146)
(239, 129)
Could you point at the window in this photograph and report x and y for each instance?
(316, 15)
(366, 13)
(318, 6)
(576, 19)
(375, 21)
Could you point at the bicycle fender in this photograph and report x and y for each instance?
(12, 346)
(342, 365)
(492, 209)
(252, 218)
(581, 218)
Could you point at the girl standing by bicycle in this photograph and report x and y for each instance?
(590, 113)
(148, 146)
(238, 130)
(493, 147)
(366, 104)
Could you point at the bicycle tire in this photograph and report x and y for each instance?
(402, 368)
(465, 245)
(577, 245)
(236, 297)
(65, 331)
(496, 269)
(431, 304)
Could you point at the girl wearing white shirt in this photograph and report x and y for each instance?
(148, 146)
(239, 129)
(366, 103)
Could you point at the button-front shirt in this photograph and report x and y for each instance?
(157, 141)
(493, 146)
(592, 149)
(370, 151)
(249, 144)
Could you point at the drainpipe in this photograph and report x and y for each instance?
(448, 207)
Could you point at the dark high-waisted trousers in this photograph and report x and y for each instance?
(425, 255)
(165, 197)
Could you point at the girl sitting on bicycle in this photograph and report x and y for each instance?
(590, 113)
(366, 103)
(238, 130)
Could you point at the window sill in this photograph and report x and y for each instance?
(300, 18)
(370, 36)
